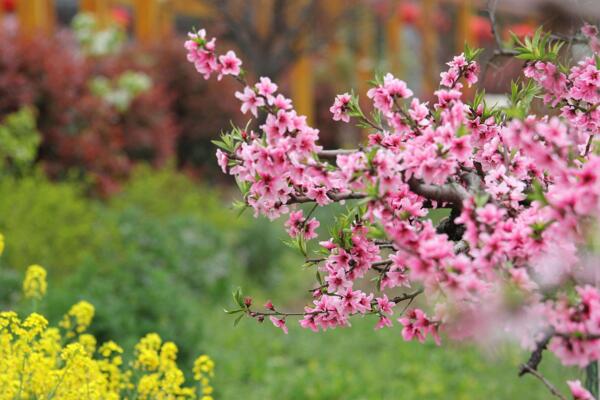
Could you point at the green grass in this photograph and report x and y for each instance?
(164, 255)
(259, 362)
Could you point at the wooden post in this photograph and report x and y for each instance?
(333, 10)
(429, 46)
(194, 8)
(146, 20)
(394, 39)
(302, 85)
(50, 16)
(100, 8)
(464, 31)
(166, 17)
(364, 62)
(303, 81)
(35, 16)
(263, 11)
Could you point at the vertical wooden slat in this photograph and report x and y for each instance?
(464, 31)
(35, 16)
(166, 17)
(302, 81)
(428, 46)
(50, 16)
(394, 38)
(333, 9)
(302, 86)
(263, 11)
(100, 8)
(364, 64)
(26, 15)
(146, 20)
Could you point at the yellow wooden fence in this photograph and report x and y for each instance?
(154, 19)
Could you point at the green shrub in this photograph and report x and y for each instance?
(47, 223)
(19, 141)
(152, 277)
(166, 192)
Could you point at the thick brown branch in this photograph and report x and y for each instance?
(334, 153)
(536, 356)
(449, 193)
(332, 196)
(473, 181)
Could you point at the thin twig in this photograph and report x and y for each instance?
(545, 381)
(588, 146)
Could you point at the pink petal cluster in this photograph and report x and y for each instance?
(279, 323)
(298, 225)
(418, 325)
(341, 107)
(201, 52)
(574, 324)
(578, 392)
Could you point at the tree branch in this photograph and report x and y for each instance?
(536, 356)
(332, 196)
(407, 296)
(531, 366)
(545, 381)
(449, 193)
(334, 153)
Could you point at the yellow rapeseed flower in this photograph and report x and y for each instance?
(38, 361)
(78, 319)
(34, 285)
(1, 243)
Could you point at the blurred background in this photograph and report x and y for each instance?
(109, 179)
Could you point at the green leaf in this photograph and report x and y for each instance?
(470, 53)
(481, 199)
(238, 297)
(319, 277)
(537, 193)
(238, 319)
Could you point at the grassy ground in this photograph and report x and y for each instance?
(260, 362)
(164, 255)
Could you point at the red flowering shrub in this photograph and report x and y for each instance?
(81, 131)
(202, 109)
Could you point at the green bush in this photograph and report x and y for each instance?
(152, 277)
(163, 254)
(165, 192)
(47, 223)
(19, 141)
(146, 258)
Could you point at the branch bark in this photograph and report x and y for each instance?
(546, 382)
(452, 193)
(536, 356)
(531, 366)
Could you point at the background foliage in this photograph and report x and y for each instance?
(161, 255)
